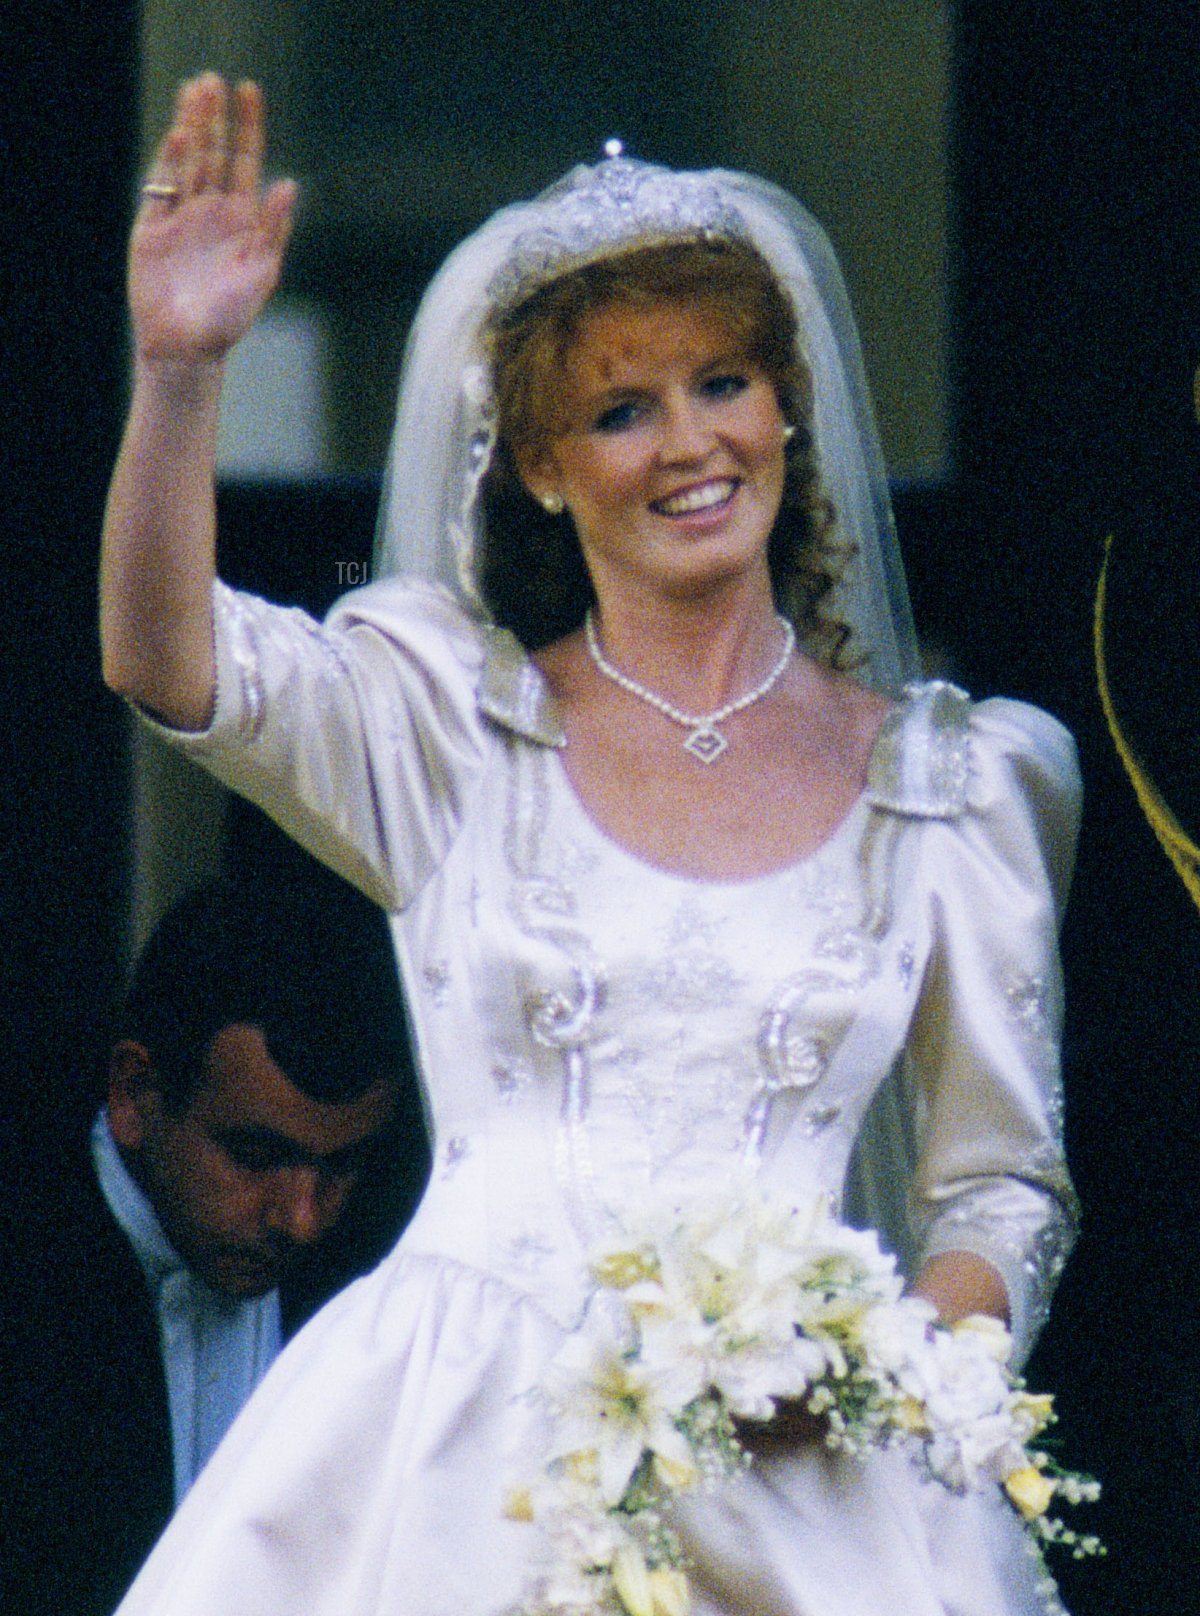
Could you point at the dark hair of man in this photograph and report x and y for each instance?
(532, 572)
(308, 961)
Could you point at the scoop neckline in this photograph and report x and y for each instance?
(685, 878)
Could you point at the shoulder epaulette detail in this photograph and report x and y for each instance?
(921, 760)
(513, 692)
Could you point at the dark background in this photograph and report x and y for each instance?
(1075, 337)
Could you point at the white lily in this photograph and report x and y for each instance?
(707, 1313)
(620, 1406)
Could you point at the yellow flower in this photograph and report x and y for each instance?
(618, 1270)
(661, 1592)
(1030, 1491)
(583, 1466)
(518, 1506)
(990, 1332)
(631, 1579)
(1039, 1406)
(675, 1473)
(843, 1317)
(669, 1590)
(910, 1416)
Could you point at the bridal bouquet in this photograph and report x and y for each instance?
(704, 1316)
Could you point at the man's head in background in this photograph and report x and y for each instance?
(255, 1066)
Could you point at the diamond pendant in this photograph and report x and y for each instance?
(705, 743)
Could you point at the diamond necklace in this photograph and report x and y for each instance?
(705, 741)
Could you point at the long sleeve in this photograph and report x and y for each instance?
(990, 1176)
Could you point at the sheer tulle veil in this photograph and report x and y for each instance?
(445, 435)
(445, 424)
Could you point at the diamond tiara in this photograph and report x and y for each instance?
(602, 209)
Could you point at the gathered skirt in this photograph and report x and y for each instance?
(368, 1476)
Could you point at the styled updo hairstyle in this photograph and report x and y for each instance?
(531, 570)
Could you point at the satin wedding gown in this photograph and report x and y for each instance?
(592, 1030)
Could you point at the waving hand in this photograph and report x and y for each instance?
(208, 242)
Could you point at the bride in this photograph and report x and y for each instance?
(680, 863)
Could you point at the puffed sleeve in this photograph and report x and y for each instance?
(990, 1175)
(361, 735)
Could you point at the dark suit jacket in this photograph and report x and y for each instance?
(86, 1477)
(86, 1454)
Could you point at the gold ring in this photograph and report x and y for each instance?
(160, 192)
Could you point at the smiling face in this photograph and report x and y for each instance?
(250, 1171)
(669, 455)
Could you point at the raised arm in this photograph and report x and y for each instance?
(205, 255)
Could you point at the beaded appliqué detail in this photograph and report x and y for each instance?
(950, 757)
(819, 1118)
(258, 631)
(1035, 1245)
(436, 976)
(1046, 1259)
(457, 1150)
(692, 971)
(1031, 1003)
(793, 1056)
(480, 407)
(1028, 1002)
(511, 1077)
(559, 1018)
(921, 762)
(247, 659)
(513, 691)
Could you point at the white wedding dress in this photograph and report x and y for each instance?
(592, 1030)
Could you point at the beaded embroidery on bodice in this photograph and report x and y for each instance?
(700, 1005)
(688, 1044)
(668, 1031)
